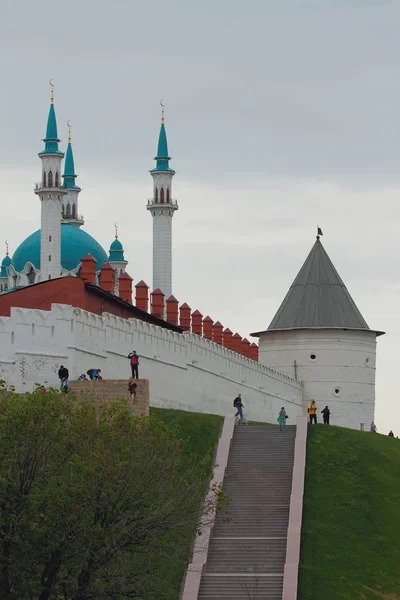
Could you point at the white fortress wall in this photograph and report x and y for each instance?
(185, 371)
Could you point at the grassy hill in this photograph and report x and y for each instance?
(200, 433)
(351, 525)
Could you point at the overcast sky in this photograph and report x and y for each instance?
(280, 116)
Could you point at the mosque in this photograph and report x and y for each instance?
(56, 249)
(68, 289)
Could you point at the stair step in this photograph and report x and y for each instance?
(246, 555)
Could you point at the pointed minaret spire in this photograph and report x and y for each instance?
(50, 193)
(70, 201)
(162, 209)
(51, 140)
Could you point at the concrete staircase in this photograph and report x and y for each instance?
(246, 556)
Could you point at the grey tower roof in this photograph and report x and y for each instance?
(318, 298)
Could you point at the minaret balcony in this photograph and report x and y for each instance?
(151, 202)
(40, 186)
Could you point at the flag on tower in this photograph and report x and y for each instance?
(319, 232)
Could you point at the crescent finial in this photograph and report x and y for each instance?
(162, 111)
(69, 131)
(116, 230)
(6, 248)
(52, 91)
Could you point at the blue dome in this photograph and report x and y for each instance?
(116, 252)
(6, 262)
(75, 243)
(116, 245)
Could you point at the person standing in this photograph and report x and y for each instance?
(63, 375)
(373, 428)
(282, 419)
(312, 411)
(391, 434)
(134, 364)
(238, 404)
(326, 414)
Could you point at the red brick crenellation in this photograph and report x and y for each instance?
(172, 310)
(125, 287)
(142, 296)
(157, 303)
(107, 278)
(197, 322)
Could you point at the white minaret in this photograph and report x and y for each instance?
(162, 208)
(50, 193)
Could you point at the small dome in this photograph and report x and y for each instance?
(75, 243)
(6, 262)
(116, 245)
(116, 252)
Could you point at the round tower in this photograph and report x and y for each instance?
(162, 208)
(320, 337)
(70, 212)
(117, 260)
(50, 194)
(4, 271)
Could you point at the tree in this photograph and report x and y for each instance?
(88, 498)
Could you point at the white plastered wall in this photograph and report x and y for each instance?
(342, 374)
(186, 371)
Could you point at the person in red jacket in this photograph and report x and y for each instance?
(134, 364)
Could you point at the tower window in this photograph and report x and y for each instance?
(68, 211)
(73, 211)
(156, 197)
(49, 238)
(49, 276)
(49, 257)
(31, 275)
(57, 179)
(162, 196)
(50, 179)
(44, 179)
(167, 196)
(313, 356)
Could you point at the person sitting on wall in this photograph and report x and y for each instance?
(63, 375)
(134, 358)
(326, 413)
(94, 373)
(312, 411)
(132, 385)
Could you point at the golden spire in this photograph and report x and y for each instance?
(52, 91)
(69, 132)
(6, 248)
(116, 230)
(162, 112)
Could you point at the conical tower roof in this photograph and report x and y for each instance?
(318, 299)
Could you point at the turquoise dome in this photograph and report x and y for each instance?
(75, 243)
(6, 262)
(116, 252)
(116, 245)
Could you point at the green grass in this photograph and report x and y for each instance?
(200, 433)
(351, 523)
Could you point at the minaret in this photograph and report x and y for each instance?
(117, 260)
(70, 201)
(162, 208)
(50, 193)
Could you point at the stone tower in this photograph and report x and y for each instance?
(320, 337)
(162, 208)
(50, 194)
